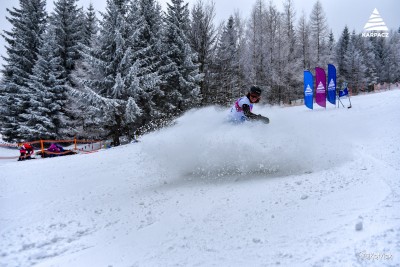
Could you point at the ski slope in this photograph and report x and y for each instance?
(312, 188)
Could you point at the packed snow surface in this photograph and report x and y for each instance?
(312, 188)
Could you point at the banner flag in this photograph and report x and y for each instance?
(331, 96)
(320, 83)
(308, 89)
(343, 92)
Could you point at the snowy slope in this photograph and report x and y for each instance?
(207, 193)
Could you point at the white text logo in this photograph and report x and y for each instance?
(375, 26)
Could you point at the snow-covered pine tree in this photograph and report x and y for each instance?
(68, 21)
(292, 67)
(396, 55)
(392, 66)
(146, 39)
(86, 116)
(341, 49)
(122, 75)
(23, 41)
(203, 37)
(331, 56)
(90, 27)
(319, 33)
(369, 60)
(226, 65)
(278, 92)
(380, 57)
(243, 80)
(303, 35)
(111, 76)
(46, 119)
(273, 67)
(354, 64)
(259, 46)
(180, 75)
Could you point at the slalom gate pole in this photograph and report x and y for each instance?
(340, 102)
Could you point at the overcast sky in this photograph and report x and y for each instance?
(353, 13)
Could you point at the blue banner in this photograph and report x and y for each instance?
(308, 89)
(343, 92)
(331, 95)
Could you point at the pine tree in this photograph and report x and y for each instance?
(242, 75)
(259, 45)
(122, 78)
(392, 64)
(46, 119)
(319, 31)
(274, 63)
(342, 47)
(111, 76)
(378, 45)
(85, 117)
(145, 18)
(303, 34)
(226, 64)
(23, 42)
(278, 92)
(369, 59)
(203, 37)
(180, 75)
(90, 27)
(68, 21)
(331, 56)
(70, 24)
(292, 67)
(354, 64)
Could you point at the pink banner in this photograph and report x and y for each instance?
(320, 85)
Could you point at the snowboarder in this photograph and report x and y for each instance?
(241, 111)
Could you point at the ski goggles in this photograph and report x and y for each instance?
(255, 96)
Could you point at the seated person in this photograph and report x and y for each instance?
(53, 149)
(61, 149)
(29, 150)
(22, 152)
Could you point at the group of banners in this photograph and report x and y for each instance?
(324, 91)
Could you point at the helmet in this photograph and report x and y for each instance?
(255, 90)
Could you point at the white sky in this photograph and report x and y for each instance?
(353, 13)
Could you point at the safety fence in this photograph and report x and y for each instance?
(73, 146)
